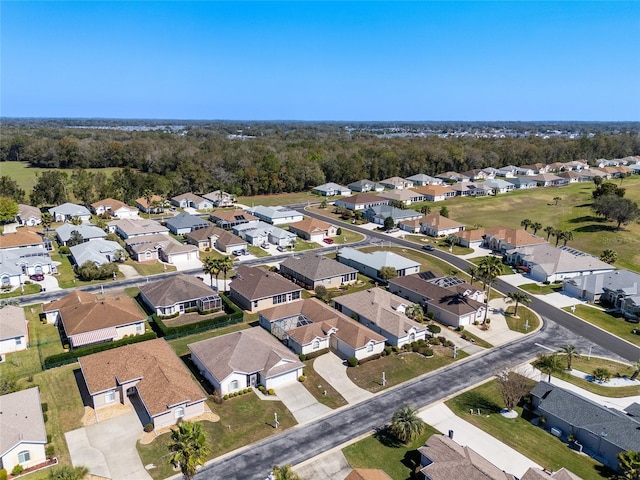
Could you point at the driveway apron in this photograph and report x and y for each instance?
(332, 368)
(300, 402)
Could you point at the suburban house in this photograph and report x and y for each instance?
(478, 174)
(442, 458)
(508, 171)
(259, 233)
(421, 180)
(452, 301)
(155, 205)
(471, 238)
(231, 218)
(88, 232)
(311, 326)
(277, 215)
(574, 177)
(361, 201)
(380, 213)
(98, 251)
(436, 193)
(28, 216)
(501, 239)
(313, 230)
(23, 261)
(453, 177)
(435, 225)
(22, 238)
(526, 170)
(547, 263)
(67, 211)
(470, 189)
(148, 375)
(499, 186)
(84, 318)
(537, 474)
(114, 208)
(220, 199)
(216, 237)
(191, 200)
(406, 197)
(244, 359)
(523, 182)
(603, 432)
(369, 264)
(14, 331)
(364, 186)
(619, 288)
(184, 223)
(255, 289)
(331, 189)
(23, 437)
(130, 228)
(147, 248)
(178, 294)
(549, 180)
(384, 313)
(491, 172)
(396, 183)
(312, 269)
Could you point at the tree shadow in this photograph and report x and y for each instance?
(411, 460)
(384, 436)
(596, 228)
(587, 218)
(584, 205)
(475, 401)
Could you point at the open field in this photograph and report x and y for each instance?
(612, 324)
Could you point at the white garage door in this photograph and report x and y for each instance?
(283, 379)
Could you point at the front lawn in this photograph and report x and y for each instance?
(586, 365)
(29, 289)
(525, 316)
(258, 252)
(476, 340)
(151, 268)
(347, 236)
(506, 269)
(317, 386)
(541, 289)
(302, 245)
(611, 323)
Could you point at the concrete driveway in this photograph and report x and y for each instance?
(330, 466)
(108, 448)
(300, 402)
(333, 369)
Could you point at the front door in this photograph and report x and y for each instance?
(253, 380)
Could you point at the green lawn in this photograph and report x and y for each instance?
(179, 345)
(146, 269)
(428, 262)
(212, 252)
(318, 386)
(438, 243)
(525, 315)
(541, 289)
(347, 236)
(258, 252)
(301, 245)
(66, 276)
(29, 289)
(613, 324)
(476, 340)
(506, 269)
(384, 452)
(586, 365)
(243, 420)
(533, 442)
(280, 199)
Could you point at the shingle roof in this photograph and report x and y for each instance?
(95, 251)
(192, 197)
(223, 237)
(254, 283)
(109, 202)
(316, 267)
(384, 211)
(232, 215)
(434, 190)
(515, 237)
(13, 322)
(362, 198)
(403, 195)
(138, 226)
(165, 381)
(87, 232)
(558, 260)
(622, 280)
(186, 220)
(21, 419)
(27, 211)
(311, 225)
(175, 289)
(155, 199)
(377, 259)
(70, 209)
(439, 222)
(367, 474)
(21, 237)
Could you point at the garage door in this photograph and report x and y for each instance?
(283, 379)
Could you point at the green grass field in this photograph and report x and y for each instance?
(588, 365)
(280, 199)
(612, 324)
(525, 315)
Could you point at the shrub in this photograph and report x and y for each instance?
(461, 328)
(488, 321)
(216, 397)
(302, 357)
(434, 328)
(602, 374)
(45, 407)
(339, 231)
(3, 474)
(302, 378)
(395, 349)
(64, 250)
(45, 417)
(148, 427)
(431, 315)
(352, 361)
(261, 388)
(271, 391)
(226, 397)
(427, 352)
(387, 350)
(248, 390)
(17, 470)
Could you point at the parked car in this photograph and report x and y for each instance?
(281, 248)
(38, 277)
(428, 248)
(328, 240)
(265, 246)
(245, 251)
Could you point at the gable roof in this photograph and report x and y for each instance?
(186, 220)
(70, 209)
(155, 199)
(560, 259)
(377, 259)
(21, 237)
(618, 280)
(434, 190)
(439, 222)
(109, 202)
(13, 322)
(95, 251)
(223, 237)
(87, 231)
(21, 419)
(515, 237)
(138, 226)
(232, 215)
(191, 197)
(362, 198)
(562, 474)
(175, 289)
(316, 267)
(27, 211)
(254, 283)
(274, 212)
(311, 225)
(164, 380)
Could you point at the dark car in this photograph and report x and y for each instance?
(328, 240)
(428, 248)
(38, 277)
(281, 248)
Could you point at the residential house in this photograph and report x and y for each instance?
(436, 225)
(85, 319)
(573, 177)
(23, 437)
(130, 228)
(615, 172)
(384, 313)
(523, 182)
(114, 208)
(562, 474)
(471, 238)
(499, 186)
(220, 199)
(256, 289)
(549, 180)
(577, 165)
(231, 218)
(313, 230)
(261, 232)
(452, 301)
(380, 213)
(453, 177)
(277, 215)
(477, 174)
(436, 193)
(67, 211)
(98, 251)
(407, 197)
(245, 359)
(593, 173)
(501, 239)
(155, 205)
(216, 237)
(191, 200)
(603, 432)
(491, 172)
(370, 264)
(361, 201)
(421, 180)
(619, 288)
(364, 186)
(22, 238)
(547, 263)
(23, 261)
(310, 326)
(469, 189)
(160, 247)
(184, 223)
(396, 183)
(88, 232)
(526, 170)
(148, 375)
(508, 171)
(557, 167)
(312, 269)
(28, 216)
(331, 189)
(537, 167)
(179, 294)
(14, 331)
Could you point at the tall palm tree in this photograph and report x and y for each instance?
(415, 312)
(148, 195)
(571, 352)
(556, 199)
(211, 266)
(629, 464)
(489, 269)
(547, 364)
(425, 210)
(474, 272)
(566, 236)
(559, 234)
(226, 265)
(189, 449)
(549, 231)
(609, 256)
(526, 223)
(536, 226)
(406, 424)
(284, 472)
(518, 298)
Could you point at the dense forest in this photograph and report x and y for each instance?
(264, 158)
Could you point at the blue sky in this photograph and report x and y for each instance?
(336, 60)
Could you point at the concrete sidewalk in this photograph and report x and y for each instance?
(300, 402)
(332, 368)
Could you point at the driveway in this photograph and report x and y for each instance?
(330, 466)
(300, 402)
(187, 264)
(333, 369)
(49, 284)
(108, 448)
(128, 271)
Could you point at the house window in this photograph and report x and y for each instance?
(139, 328)
(179, 413)
(24, 456)
(233, 385)
(316, 344)
(19, 341)
(109, 397)
(147, 254)
(370, 347)
(280, 299)
(295, 295)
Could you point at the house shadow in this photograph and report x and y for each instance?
(204, 383)
(411, 460)
(82, 388)
(476, 401)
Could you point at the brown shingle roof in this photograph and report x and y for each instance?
(155, 199)
(176, 289)
(440, 222)
(471, 235)
(433, 190)
(21, 237)
(229, 215)
(367, 474)
(311, 225)
(317, 267)
(109, 202)
(21, 419)
(164, 380)
(254, 283)
(363, 198)
(516, 237)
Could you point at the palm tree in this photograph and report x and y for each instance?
(284, 473)
(549, 230)
(189, 448)
(518, 298)
(629, 464)
(526, 223)
(566, 236)
(148, 195)
(547, 364)
(489, 269)
(415, 312)
(211, 266)
(559, 234)
(474, 273)
(536, 226)
(226, 265)
(46, 220)
(571, 352)
(609, 256)
(556, 199)
(425, 210)
(406, 424)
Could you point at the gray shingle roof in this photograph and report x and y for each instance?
(254, 283)
(21, 419)
(87, 231)
(176, 289)
(95, 251)
(317, 267)
(12, 322)
(185, 220)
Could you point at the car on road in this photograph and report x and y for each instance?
(428, 248)
(328, 240)
(38, 277)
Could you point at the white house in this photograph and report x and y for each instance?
(276, 215)
(67, 211)
(369, 264)
(331, 189)
(14, 332)
(28, 216)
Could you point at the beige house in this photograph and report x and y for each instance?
(436, 225)
(231, 218)
(255, 289)
(406, 197)
(179, 294)
(130, 228)
(436, 193)
(501, 239)
(115, 208)
(312, 269)
(28, 216)
(14, 331)
(313, 229)
(162, 247)
(216, 237)
(156, 205)
(148, 375)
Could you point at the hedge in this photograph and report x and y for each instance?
(71, 356)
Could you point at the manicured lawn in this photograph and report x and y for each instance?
(533, 442)
(301, 245)
(132, 292)
(66, 276)
(399, 368)
(258, 252)
(281, 199)
(347, 236)
(428, 262)
(146, 269)
(384, 452)
(243, 420)
(29, 288)
(616, 325)
(525, 315)
(212, 252)
(541, 289)
(476, 340)
(438, 243)
(318, 385)
(179, 345)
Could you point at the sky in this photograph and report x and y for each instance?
(329, 60)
